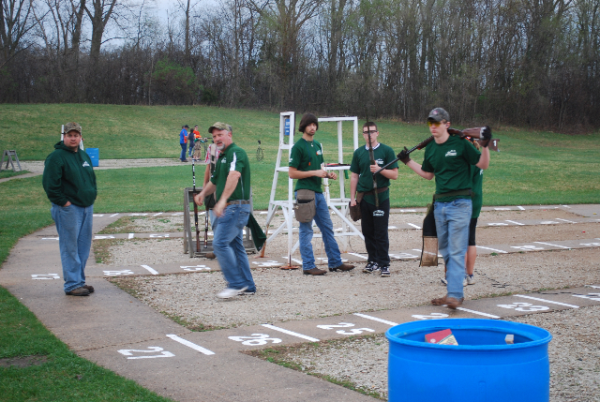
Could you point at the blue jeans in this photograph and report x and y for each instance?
(452, 221)
(183, 147)
(229, 247)
(74, 226)
(323, 221)
(191, 149)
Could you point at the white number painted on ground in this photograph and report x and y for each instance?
(355, 331)
(155, 235)
(118, 273)
(591, 296)
(549, 223)
(497, 224)
(590, 244)
(100, 237)
(45, 276)
(527, 247)
(523, 307)
(431, 316)
(151, 349)
(97, 215)
(339, 325)
(267, 264)
(402, 256)
(193, 268)
(49, 238)
(137, 214)
(325, 260)
(255, 339)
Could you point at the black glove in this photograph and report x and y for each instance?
(485, 136)
(403, 156)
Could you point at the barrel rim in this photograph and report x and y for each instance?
(539, 336)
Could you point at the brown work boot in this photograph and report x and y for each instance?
(314, 271)
(89, 288)
(439, 302)
(79, 292)
(453, 303)
(210, 255)
(343, 267)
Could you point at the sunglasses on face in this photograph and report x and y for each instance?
(434, 123)
(370, 132)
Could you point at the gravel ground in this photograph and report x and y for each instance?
(289, 295)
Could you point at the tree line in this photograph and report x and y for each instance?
(522, 62)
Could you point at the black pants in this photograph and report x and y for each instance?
(375, 230)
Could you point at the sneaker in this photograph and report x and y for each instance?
(228, 293)
(343, 267)
(371, 267)
(385, 271)
(445, 282)
(247, 292)
(79, 292)
(314, 271)
(470, 280)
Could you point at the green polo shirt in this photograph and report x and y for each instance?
(451, 163)
(232, 158)
(361, 161)
(307, 156)
(477, 180)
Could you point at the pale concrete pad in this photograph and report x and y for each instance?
(109, 316)
(189, 375)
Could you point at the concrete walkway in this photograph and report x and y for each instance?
(117, 331)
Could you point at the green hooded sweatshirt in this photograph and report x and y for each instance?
(69, 176)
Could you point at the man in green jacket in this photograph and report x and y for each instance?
(70, 184)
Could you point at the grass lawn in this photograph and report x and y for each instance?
(532, 168)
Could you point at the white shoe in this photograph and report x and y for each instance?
(228, 293)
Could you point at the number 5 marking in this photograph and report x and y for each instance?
(340, 325)
(152, 349)
(355, 331)
(523, 307)
(431, 316)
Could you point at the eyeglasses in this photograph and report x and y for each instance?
(434, 123)
(370, 132)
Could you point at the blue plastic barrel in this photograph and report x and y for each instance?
(94, 154)
(482, 367)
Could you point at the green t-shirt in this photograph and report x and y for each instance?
(451, 162)
(477, 180)
(307, 156)
(360, 165)
(232, 158)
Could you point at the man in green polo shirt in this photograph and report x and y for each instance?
(231, 182)
(449, 159)
(374, 228)
(306, 162)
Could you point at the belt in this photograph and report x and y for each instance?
(238, 202)
(466, 192)
(379, 191)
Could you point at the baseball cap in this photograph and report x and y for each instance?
(220, 126)
(438, 114)
(72, 127)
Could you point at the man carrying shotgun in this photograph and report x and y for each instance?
(373, 196)
(450, 159)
